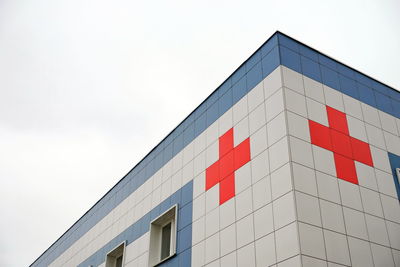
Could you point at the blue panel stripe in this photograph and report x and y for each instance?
(278, 49)
(321, 68)
(183, 197)
(395, 163)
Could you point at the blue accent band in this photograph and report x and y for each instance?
(278, 49)
(183, 197)
(336, 75)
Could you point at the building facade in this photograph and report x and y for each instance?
(292, 161)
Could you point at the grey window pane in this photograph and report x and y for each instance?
(165, 241)
(119, 262)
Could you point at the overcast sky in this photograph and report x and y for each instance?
(87, 88)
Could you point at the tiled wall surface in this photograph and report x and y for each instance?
(282, 206)
(290, 207)
(340, 223)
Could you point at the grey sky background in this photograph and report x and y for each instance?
(87, 88)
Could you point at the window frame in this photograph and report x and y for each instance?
(155, 236)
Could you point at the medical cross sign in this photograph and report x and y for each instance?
(223, 171)
(346, 149)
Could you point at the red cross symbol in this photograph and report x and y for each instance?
(223, 171)
(346, 149)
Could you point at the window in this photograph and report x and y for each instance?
(115, 258)
(163, 237)
(398, 174)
